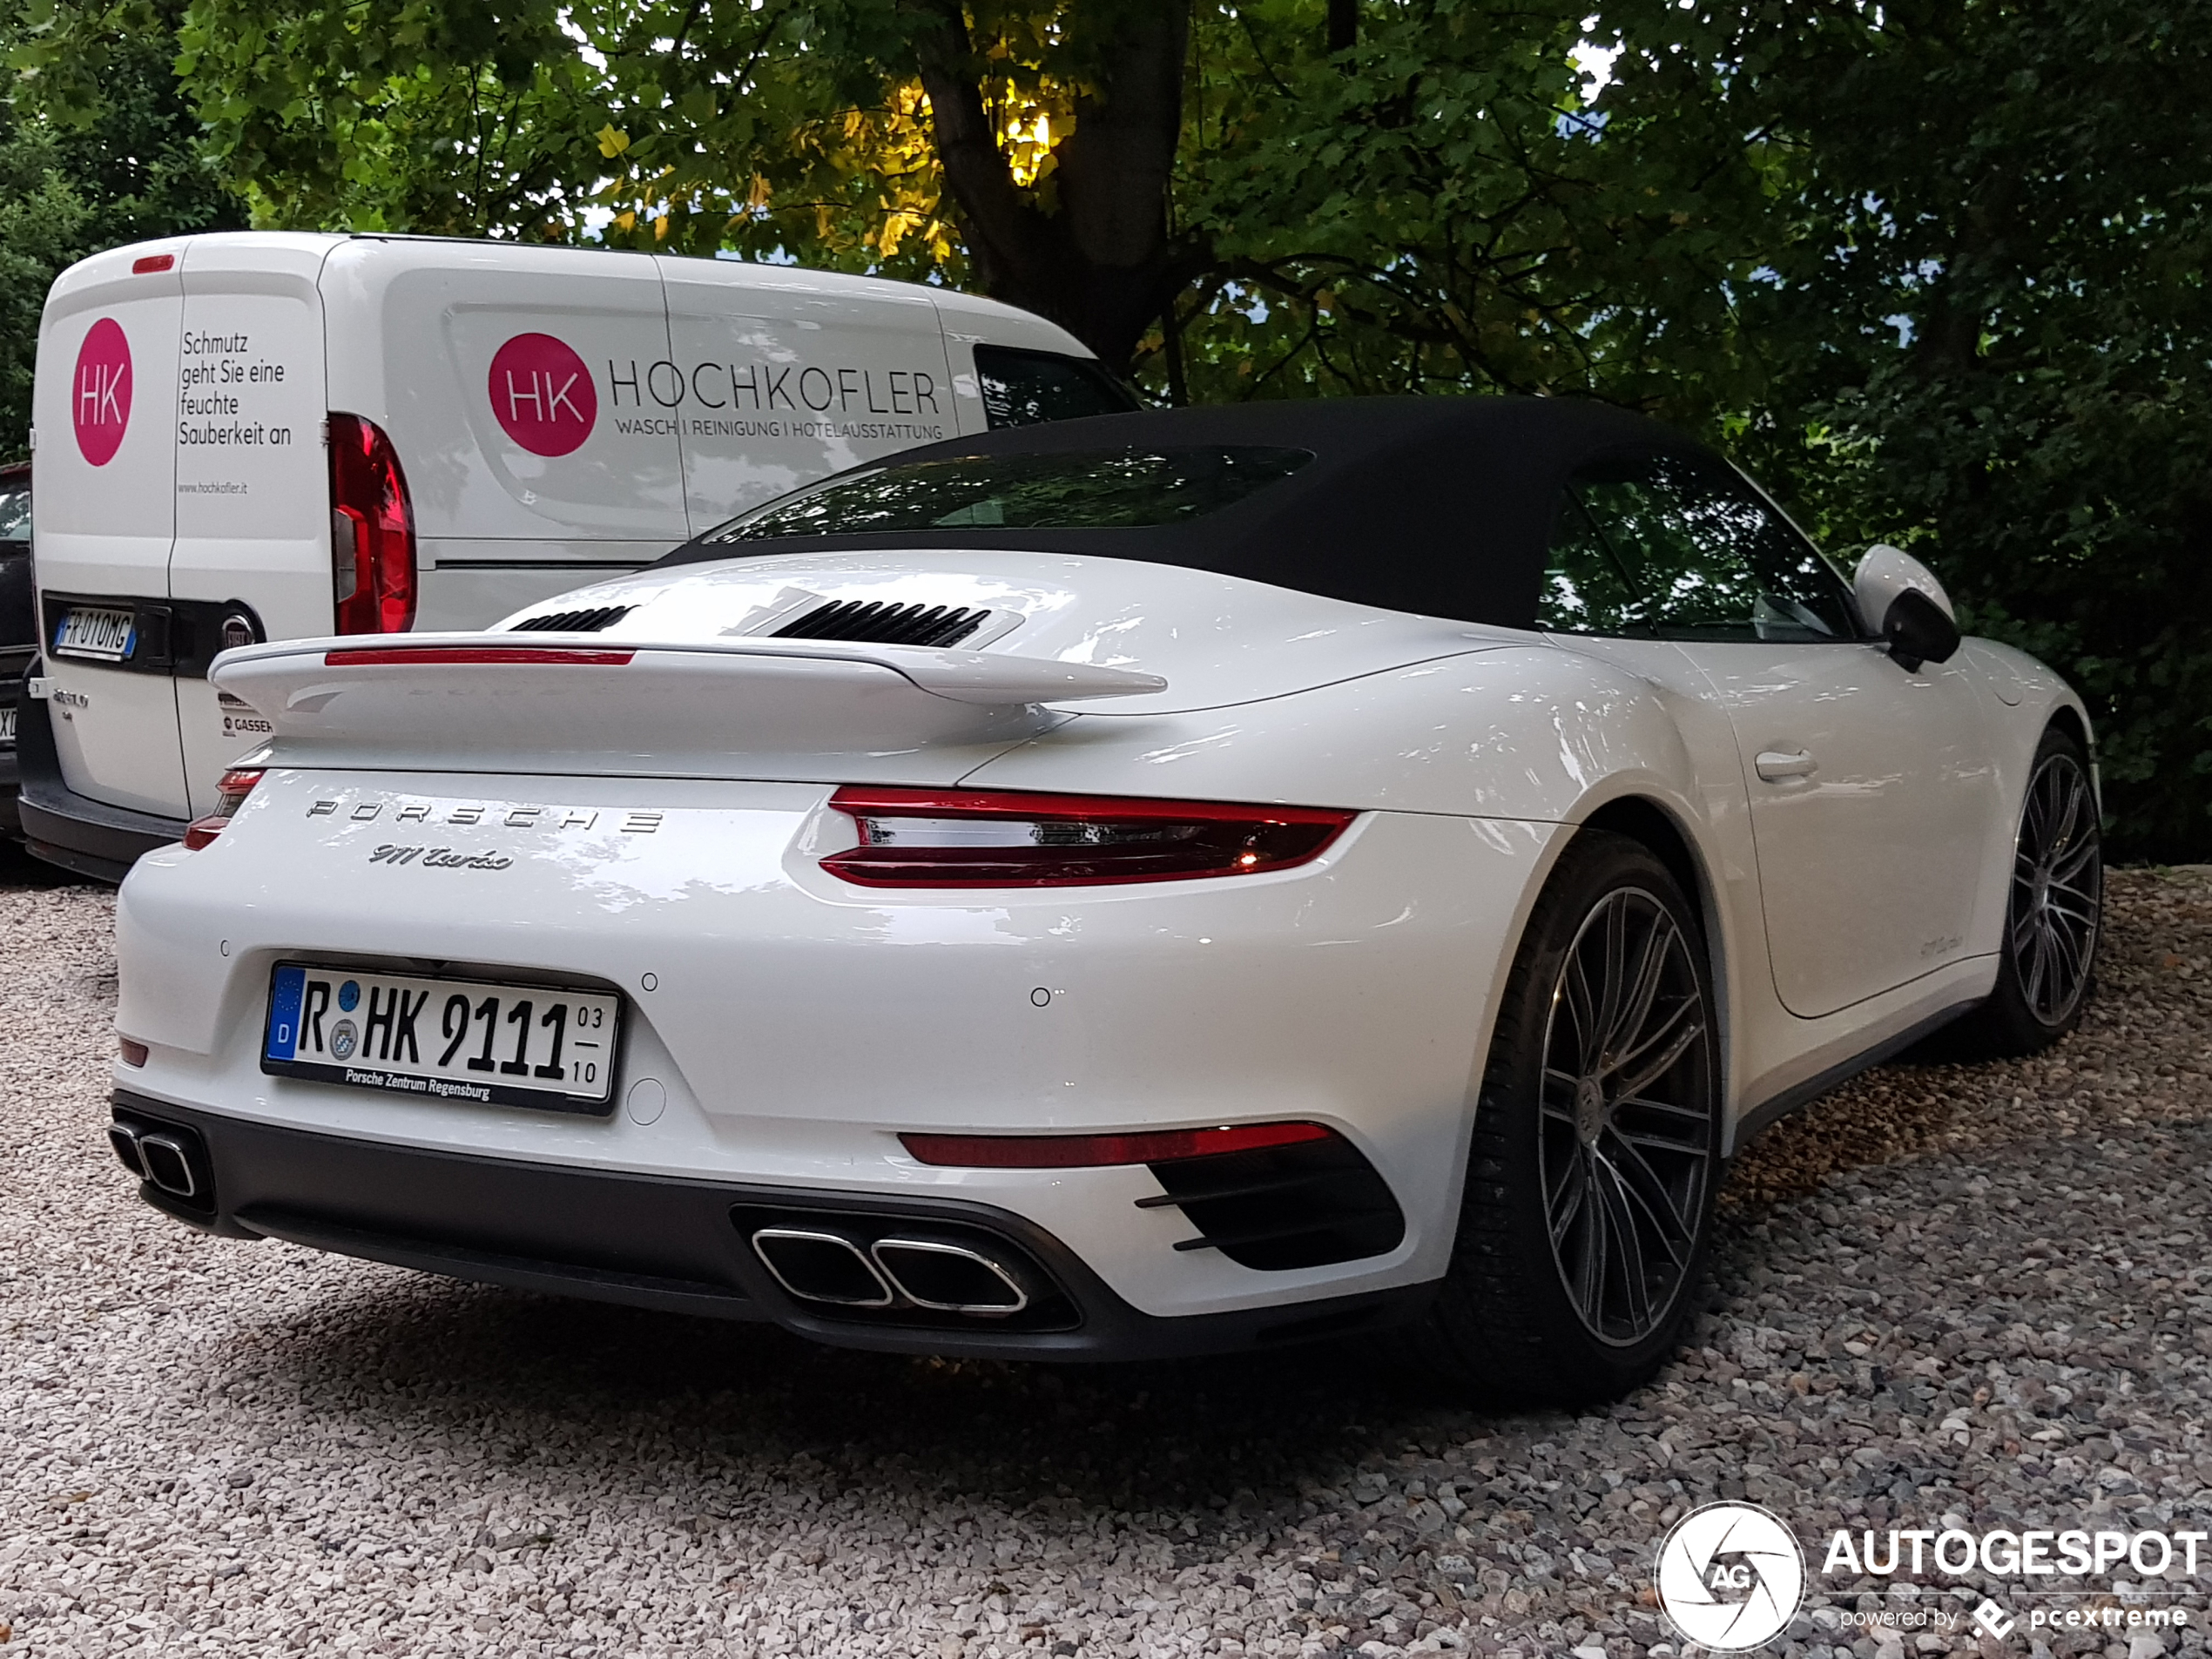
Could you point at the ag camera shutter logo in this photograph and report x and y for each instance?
(542, 394)
(1730, 1576)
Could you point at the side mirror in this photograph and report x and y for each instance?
(1923, 630)
(1918, 631)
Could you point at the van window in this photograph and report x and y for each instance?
(1027, 388)
(1114, 490)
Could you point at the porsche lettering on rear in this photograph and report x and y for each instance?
(508, 816)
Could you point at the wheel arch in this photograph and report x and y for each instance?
(2067, 716)
(1658, 827)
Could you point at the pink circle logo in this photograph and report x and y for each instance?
(100, 393)
(543, 395)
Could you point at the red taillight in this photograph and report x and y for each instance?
(230, 794)
(147, 264)
(1079, 1151)
(371, 530)
(418, 656)
(931, 838)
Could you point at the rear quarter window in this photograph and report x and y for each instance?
(1028, 388)
(1123, 490)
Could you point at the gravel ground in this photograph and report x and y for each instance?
(1949, 1295)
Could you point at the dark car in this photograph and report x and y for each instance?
(18, 631)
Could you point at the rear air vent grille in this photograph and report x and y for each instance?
(574, 622)
(876, 622)
(1285, 1206)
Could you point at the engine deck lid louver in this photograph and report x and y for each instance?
(877, 621)
(574, 622)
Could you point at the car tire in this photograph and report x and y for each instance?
(1551, 1297)
(2054, 912)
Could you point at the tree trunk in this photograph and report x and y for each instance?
(1344, 25)
(1101, 263)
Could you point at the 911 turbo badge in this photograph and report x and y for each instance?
(440, 858)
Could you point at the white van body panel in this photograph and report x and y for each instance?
(560, 414)
(782, 376)
(250, 402)
(108, 526)
(417, 327)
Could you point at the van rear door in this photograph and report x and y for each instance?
(779, 377)
(253, 558)
(105, 410)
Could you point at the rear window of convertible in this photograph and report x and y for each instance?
(1120, 489)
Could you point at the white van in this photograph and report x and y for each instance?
(257, 437)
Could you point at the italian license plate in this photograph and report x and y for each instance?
(444, 1039)
(89, 631)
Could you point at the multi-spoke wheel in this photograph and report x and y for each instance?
(1625, 1144)
(2055, 911)
(1590, 1178)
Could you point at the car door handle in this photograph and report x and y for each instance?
(1774, 765)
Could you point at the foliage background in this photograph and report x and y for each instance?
(1934, 268)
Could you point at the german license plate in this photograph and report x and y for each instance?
(89, 631)
(444, 1039)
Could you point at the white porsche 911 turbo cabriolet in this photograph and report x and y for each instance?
(1161, 883)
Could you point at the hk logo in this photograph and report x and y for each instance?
(542, 394)
(100, 392)
(1730, 1576)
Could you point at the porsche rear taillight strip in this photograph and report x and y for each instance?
(939, 837)
(1091, 1151)
(230, 791)
(447, 656)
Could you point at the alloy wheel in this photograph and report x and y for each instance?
(1625, 1144)
(2058, 878)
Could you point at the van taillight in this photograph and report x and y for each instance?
(371, 530)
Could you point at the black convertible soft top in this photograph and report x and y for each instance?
(1442, 506)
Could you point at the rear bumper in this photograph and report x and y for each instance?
(677, 1246)
(63, 827)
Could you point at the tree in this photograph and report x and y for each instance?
(1984, 328)
(98, 146)
(1129, 168)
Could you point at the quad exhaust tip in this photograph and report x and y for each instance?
(948, 1277)
(936, 1275)
(822, 1267)
(156, 1157)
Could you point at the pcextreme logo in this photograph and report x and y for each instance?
(100, 392)
(542, 394)
(1730, 1576)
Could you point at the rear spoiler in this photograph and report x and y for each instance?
(541, 698)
